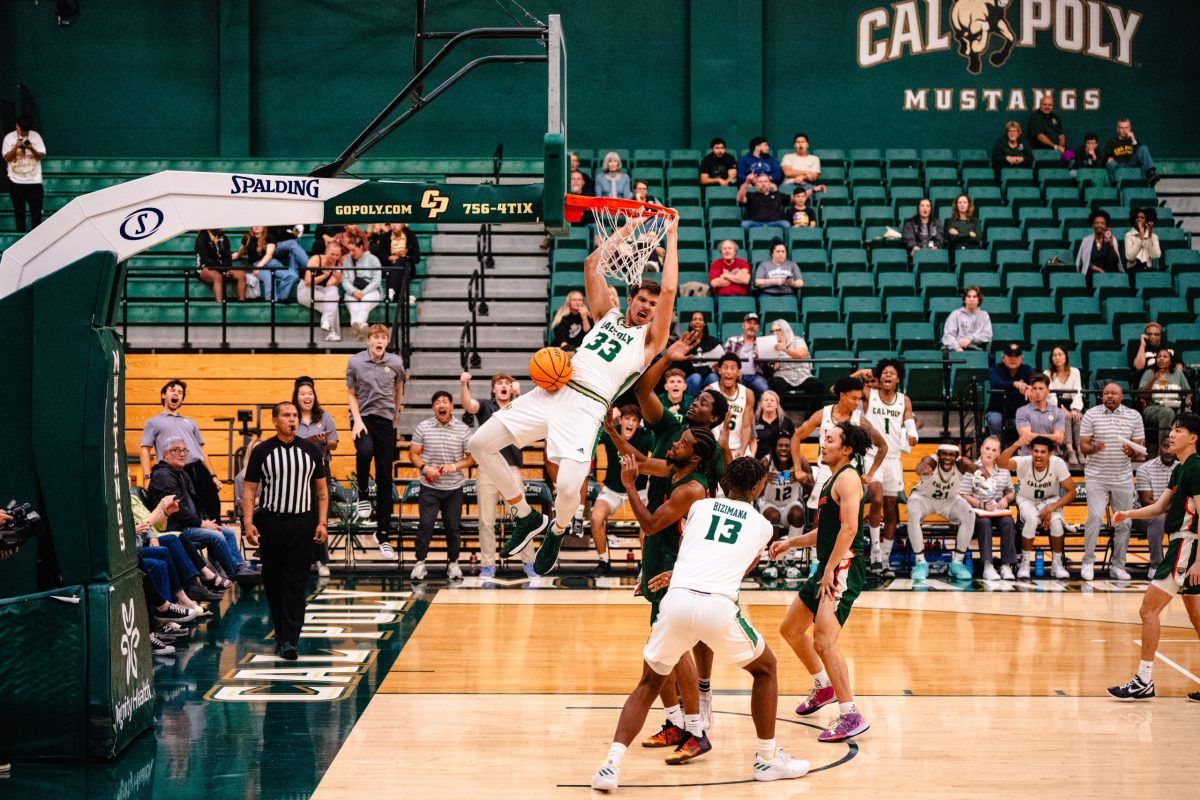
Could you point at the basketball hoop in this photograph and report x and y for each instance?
(629, 231)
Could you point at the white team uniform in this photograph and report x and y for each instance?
(608, 361)
(1036, 490)
(614, 500)
(737, 407)
(939, 493)
(781, 496)
(721, 538)
(888, 419)
(821, 473)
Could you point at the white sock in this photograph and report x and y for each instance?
(693, 724)
(821, 679)
(579, 513)
(615, 754)
(522, 507)
(886, 548)
(766, 749)
(875, 531)
(920, 557)
(847, 708)
(1056, 558)
(675, 715)
(604, 556)
(1025, 555)
(794, 530)
(957, 557)
(1146, 671)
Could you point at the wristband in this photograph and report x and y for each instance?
(910, 428)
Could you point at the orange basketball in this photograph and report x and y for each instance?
(550, 368)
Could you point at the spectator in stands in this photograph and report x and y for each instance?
(504, 389)
(1011, 150)
(399, 252)
(922, 231)
(1088, 155)
(758, 160)
(969, 327)
(1124, 149)
(778, 275)
(793, 376)
(1142, 248)
(674, 396)
(1143, 350)
(717, 167)
(1153, 477)
(172, 423)
(1045, 128)
(589, 186)
(1105, 436)
(802, 167)
(1066, 392)
(317, 426)
(439, 452)
(800, 213)
(1008, 382)
(729, 275)
(192, 580)
(963, 231)
(361, 278)
(375, 380)
(24, 150)
(1039, 419)
(764, 206)
(745, 349)
(611, 181)
(160, 585)
(641, 193)
(319, 289)
(570, 322)
(288, 250)
(990, 489)
(271, 280)
(771, 424)
(1098, 251)
(1164, 387)
(701, 374)
(214, 263)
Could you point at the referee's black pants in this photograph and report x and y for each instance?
(377, 445)
(448, 502)
(285, 550)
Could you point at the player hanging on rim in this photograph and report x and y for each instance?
(940, 492)
(1179, 572)
(825, 599)
(613, 353)
(782, 501)
(722, 540)
(1041, 478)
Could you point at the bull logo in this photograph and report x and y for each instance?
(974, 23)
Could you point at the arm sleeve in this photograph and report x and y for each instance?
(910, 234)
(330, 427)
(196, 431)
(1139, 428)
(950, 330)
(714, 270)
(254, 464)
(148, 433)
(1022, 418)
(1142, 482)
(1073, 382)
(418, 436)
(998, 379)
(984, 334)
(320, 472)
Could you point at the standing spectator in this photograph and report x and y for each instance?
(793, 376)
(674, 396)
(316, 425)
(1153, 477)
(717, 167)
(740, 399)
(1008, 382)
(399, 252)
(1124, 149)
(1039, 419)
(588, 187)
(375, 379)
(571, 321)
(1163, 386)
(765, 206)
(729, 275)
(963, 231)
(361, 276)
(701, 374)
(990, 489)
(758, 160)
(778, 275)
(969, 327)
(771, 425)
(24, 150)
(292, 513)
(504, 389)
(1045, 128)
(802, 167)
(439, 452)
(611, 181)
(745, 349)
(922, 231)
(1142, 248)
(800, 213)
(172, 423)
(1010, 151)
(214, 263)
(1098, 250)
(319, 289)
(1066, 392)
(1143, 350)
(1109, 474)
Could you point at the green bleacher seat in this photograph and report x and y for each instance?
(938, 284)
(824, 336)
(876, 215)
(1097, 196)
(1154, 284)
(830, 157)
(722, 232)
(724, 215)
(864, 175)
(1022, 284)
(1045, 335)
(857, 310)
(1122, 310)
(904, 309)
(683, 176)
(1129, 177)
(1180, 261)
(905, 196)
(1170, 311)
(688, 274)
(819, 309)
(998, 216)
(941, 307)
(649, 158)
(831, 216)
(1019, 196)
(854, 284)
(1004, 333)
(690, 216)
(1012, 178)
(865, 156)
(848, 259)
(806, 238)
(729, 329)
(772, 307)
(870, 339)
(733, 309)
(1104, 365)
(1172, 238)
(968, 259)
(818, 284)
(1035, 217)
(834, 196)
(1012, 256)
(989, 282)
(765, 236)
(943, 198)
(868, 195)
(1187, 285)
(684, 195)
(938, 157)
(974, 157)
(893, 283)
(1107, 285)
(720, 196)
(914, 335)
(903, 176)
(809, 259)
(684, 157)
(941, 176)
(841, 236)
(687, 305)
(974, 177)
(926, 261)
(692, 238)
(1138, 197)
(1094, 336)
(1080, 310)
(902, 157)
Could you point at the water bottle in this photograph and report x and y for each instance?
(1039, 564)
(785, 477)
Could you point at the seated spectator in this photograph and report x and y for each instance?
(271, 280)
(745, 349)
(779, 275)
(1124, 149)
(969, 327)
(1011, 150)
(802, 167)
(1008, 383)
(717, 168)
(699, 373)
(1038, 418)
(1088, 155)
(1098, 250)
(1142, 248)
(990, 488)
(800, 213)
(361, 278)
(399, 252)
(589, 186)
(587, 219)
(1045, 128)
(1153, 477)
(319, 289)
(729, 276)
(1143, 350)
(317, 426)
(197, 580)
(771, 424)
(1163, 386)
(214, 263)
(1066, 392)
(764, 206)
(571, 321)
(611, 181)
(922, 231)
(159, 590)
(963, 231)
(758, 160)
(793, 376)
(439, 453)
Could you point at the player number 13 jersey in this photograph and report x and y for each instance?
(720, 539)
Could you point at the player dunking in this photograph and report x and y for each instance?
(825, 598)
(613, 353)
(721, 541)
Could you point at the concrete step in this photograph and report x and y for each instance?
(508, 265)
(456, 311)
(1184, 204)
(496, 337)
(508, 243)
(496, 288)
(443, 363)
(1178, 186)
(209, 336)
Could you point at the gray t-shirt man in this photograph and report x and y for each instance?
(374, 383)
(159, 429)
(1040, 421)
(443, 444)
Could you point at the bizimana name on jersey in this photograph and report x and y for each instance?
(721, 508)
(299, 187)
(616, 332)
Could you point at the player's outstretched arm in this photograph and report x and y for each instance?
(594, 285)
(1004, 460)
(1148, 511)
(674, 509)
(652, 408)
(803, 432)
(881, 446)
(660, 326)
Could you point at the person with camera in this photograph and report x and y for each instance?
(24, 150)
(1142, 248)
(1098, 252)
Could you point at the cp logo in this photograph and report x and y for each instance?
(435, 201)
(141, 223)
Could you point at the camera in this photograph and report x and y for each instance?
(22, 515)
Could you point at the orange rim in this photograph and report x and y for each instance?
(574, 205)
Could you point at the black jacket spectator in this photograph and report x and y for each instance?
(766, 207)
(568, 333)
(213, 252)
(1004, 397)
(962, 234)
(923, 235)
(165, 480)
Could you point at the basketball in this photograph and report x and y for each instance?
(550, 368)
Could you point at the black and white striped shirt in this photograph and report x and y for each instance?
(284, 474)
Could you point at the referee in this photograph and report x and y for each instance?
(292, 510)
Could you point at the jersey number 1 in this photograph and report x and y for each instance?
(604, 347)
(729, 529)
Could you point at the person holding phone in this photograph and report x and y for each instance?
(317, 426)
(1142, 247)
(23, 151)
(1098, 252)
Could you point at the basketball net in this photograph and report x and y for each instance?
(628, 237)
